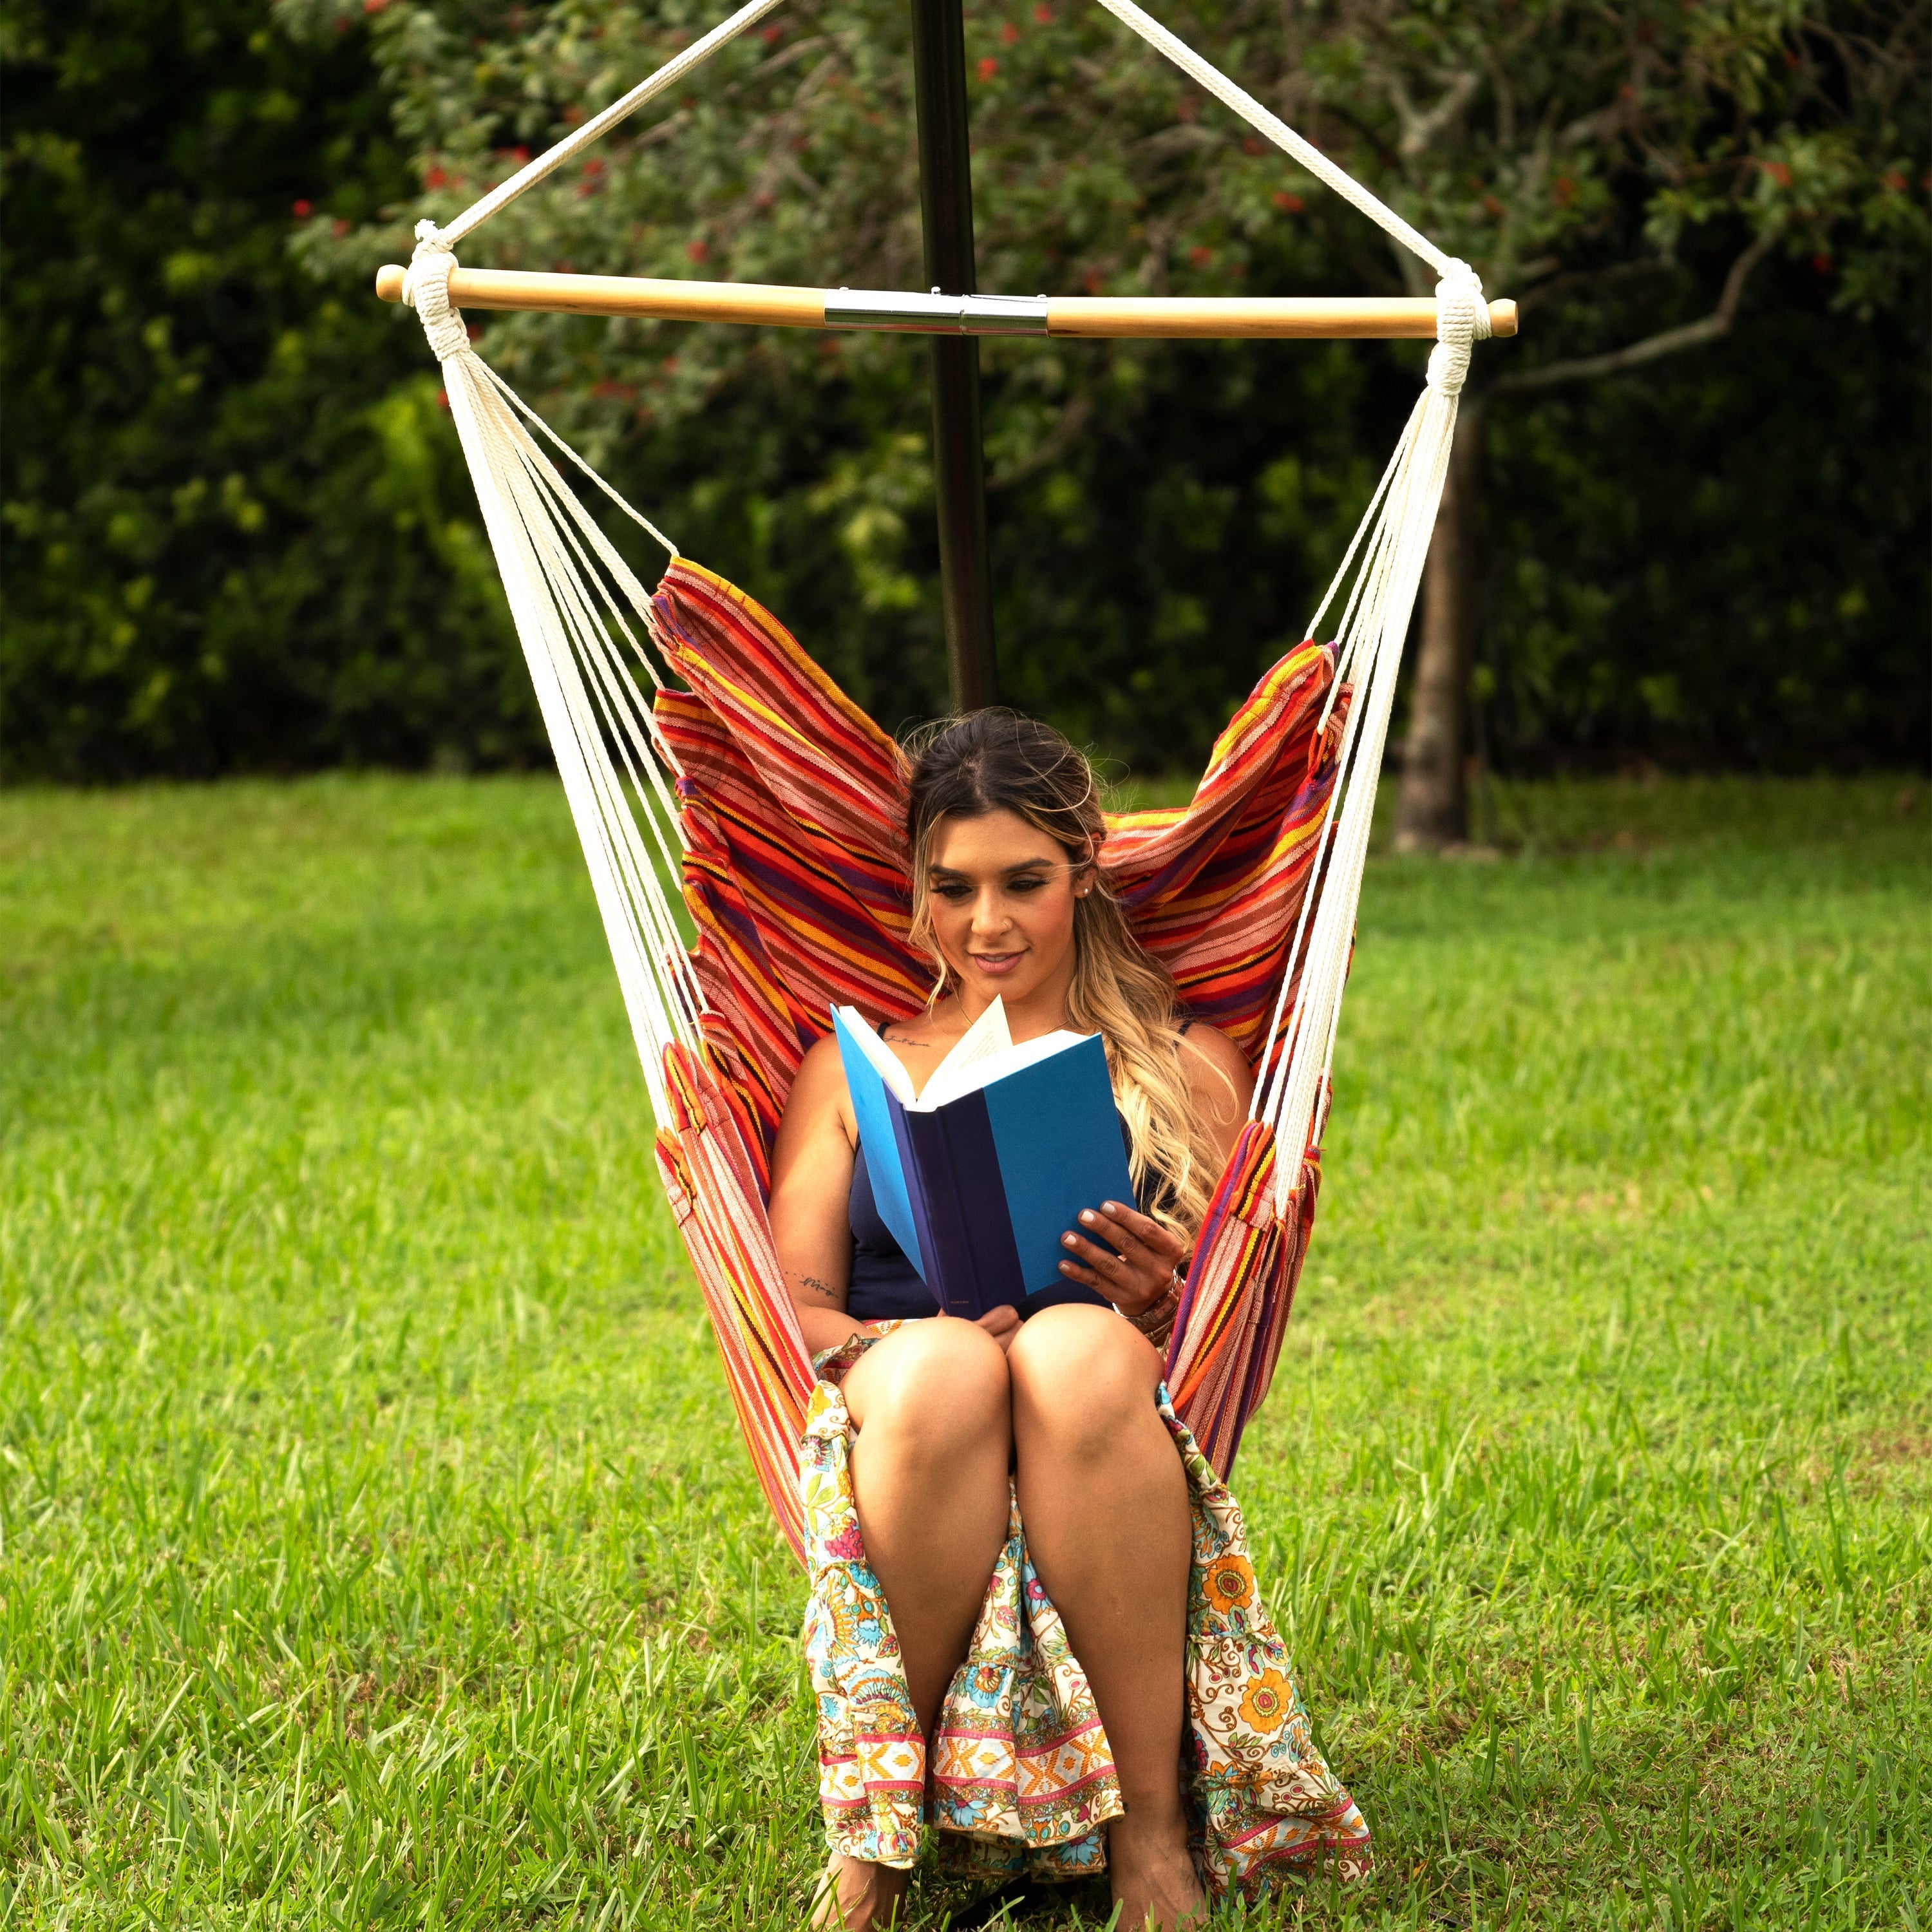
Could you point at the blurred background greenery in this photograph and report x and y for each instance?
(239, 536)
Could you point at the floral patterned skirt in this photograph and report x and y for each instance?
(1022, 1777)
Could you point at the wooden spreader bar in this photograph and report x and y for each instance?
(764, 304)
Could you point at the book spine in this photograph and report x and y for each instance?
(936, 1213)
(959, 1205)
(983, 1263)
(905, 1140)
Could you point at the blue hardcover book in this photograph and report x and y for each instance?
(980, 1175)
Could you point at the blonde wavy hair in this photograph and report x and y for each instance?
(998, 760)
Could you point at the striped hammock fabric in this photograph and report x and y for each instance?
(792, 806)
(788, 804)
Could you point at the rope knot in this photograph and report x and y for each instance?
(426, 287)
(1462, 318)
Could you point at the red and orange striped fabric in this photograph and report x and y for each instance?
(792, 804)
(1233, 1311)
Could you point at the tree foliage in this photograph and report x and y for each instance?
(235, 532)
(1163, 516)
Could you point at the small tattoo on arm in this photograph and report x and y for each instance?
(818, 1287)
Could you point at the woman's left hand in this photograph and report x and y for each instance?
(1136, 1269)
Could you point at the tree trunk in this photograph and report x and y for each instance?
(1432, 807)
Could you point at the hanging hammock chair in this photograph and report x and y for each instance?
(751, 784)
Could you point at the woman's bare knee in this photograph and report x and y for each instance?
(935, 1387)
(1078, 1376)
(1075, 1342)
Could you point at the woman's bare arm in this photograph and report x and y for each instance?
(811, 1192)
(1219, 1086)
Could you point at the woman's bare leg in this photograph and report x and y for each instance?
(1104, 1500)
(930, 1469)
(930, 1472)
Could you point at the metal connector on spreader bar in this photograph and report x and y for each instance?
(935, 314)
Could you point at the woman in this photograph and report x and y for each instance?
(935, 1430)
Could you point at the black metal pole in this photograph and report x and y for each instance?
(946, 209)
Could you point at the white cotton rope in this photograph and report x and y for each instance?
(568, 590)
(1204, 74)
(646, 91)
(1392, 543)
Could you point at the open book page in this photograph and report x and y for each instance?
(986, 1039)
(983, 1053)
(1028, 1053)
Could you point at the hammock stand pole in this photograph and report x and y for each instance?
(958, 460)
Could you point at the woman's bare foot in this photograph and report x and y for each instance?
(855, 1896)
(1153, 1875)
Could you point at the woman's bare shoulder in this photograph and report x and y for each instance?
(819, 1086)
(1215, 1046)
(1214, 1064)
(817, 1110)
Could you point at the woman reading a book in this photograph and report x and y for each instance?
(1062, 1742)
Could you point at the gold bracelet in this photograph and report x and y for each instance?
(1155, 1321)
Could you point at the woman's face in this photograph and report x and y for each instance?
(1001, 897)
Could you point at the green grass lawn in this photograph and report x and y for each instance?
(378, 1549)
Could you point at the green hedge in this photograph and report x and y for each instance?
(238, 536)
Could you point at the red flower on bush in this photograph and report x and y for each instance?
(988, 67)
(302, 210)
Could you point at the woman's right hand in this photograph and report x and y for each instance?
(1143, 1265)
(1003, 1324)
